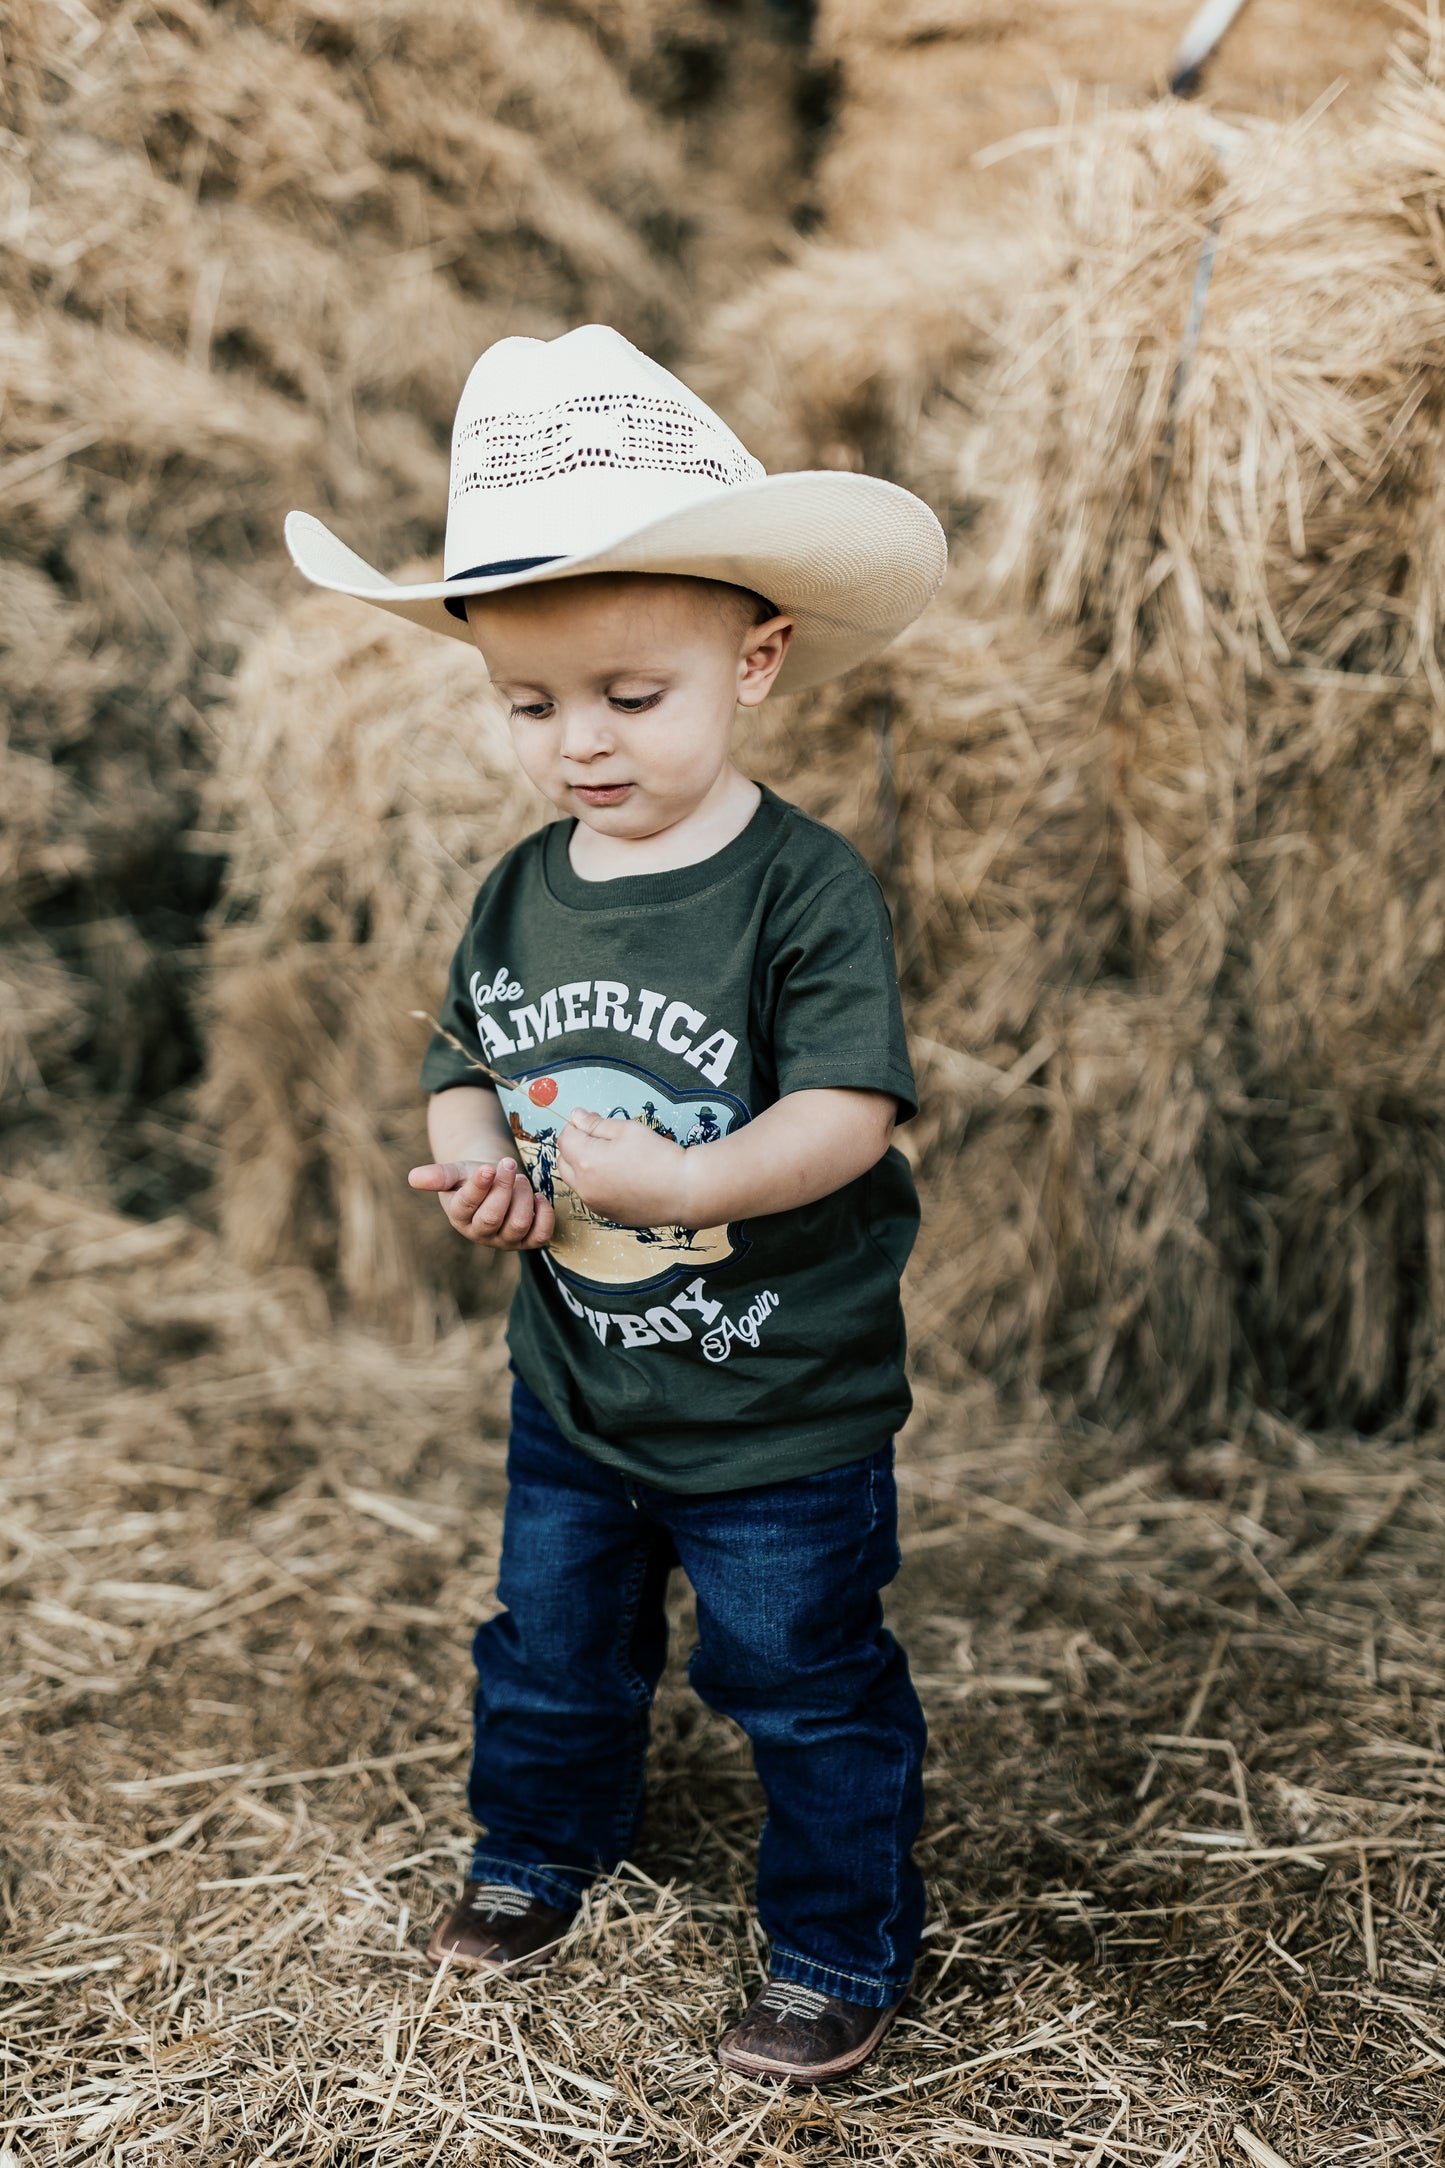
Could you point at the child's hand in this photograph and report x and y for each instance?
(624, 1170)
(493, 1205)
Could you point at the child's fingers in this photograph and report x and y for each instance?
(486, 1222)
(518, 1223)
(491, 1204)
(460, 1205)
(441, 1177)
(463, 1202)
(544, 1225)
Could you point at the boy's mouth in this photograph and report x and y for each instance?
(601, 793)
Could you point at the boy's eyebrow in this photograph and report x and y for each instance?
(504, 682)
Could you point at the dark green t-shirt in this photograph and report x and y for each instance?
(710, 1358)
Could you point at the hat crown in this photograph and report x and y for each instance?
(555, 437)
(580, 455)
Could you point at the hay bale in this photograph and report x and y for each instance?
(41, 843)
(44, 1013)
(982, 815)
(251, 252)
(46, 822)
(1280, 527)
(1296, 530)
(1342, 996)
(362, 775)
(1346, 927)
(833, 358)
(1058, 861)
(1079, 1236)
(1024, 381)
(1038, 825)
(364, 783)
(1118, 718)
(252, 256)
(925, 86)
(312, 1093)
(1142, 1163)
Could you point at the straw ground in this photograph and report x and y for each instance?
(1185, 1846)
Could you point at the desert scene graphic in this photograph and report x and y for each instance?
(586, 1246)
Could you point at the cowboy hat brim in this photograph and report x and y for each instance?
(851, 559)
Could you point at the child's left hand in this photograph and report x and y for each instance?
(623, 1170)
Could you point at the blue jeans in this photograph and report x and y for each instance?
(791, 1645)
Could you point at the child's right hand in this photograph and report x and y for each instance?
(495, 1206)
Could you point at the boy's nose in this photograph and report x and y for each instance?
(585, 736)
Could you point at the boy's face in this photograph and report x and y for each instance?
(622, 689)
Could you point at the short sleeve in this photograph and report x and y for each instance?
(837, 1019)
(443, 1066)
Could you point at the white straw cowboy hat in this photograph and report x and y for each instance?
(579, 454)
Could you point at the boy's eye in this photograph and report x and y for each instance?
(634, 703)
(537, 709)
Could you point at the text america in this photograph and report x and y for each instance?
(601, 1005)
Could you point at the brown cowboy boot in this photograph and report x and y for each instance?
(801, 2036)
(495, 1925)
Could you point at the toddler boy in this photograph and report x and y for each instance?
(670, 1064)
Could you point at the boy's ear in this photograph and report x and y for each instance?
(764, 650)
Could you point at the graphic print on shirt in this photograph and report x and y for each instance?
(595, 1251)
